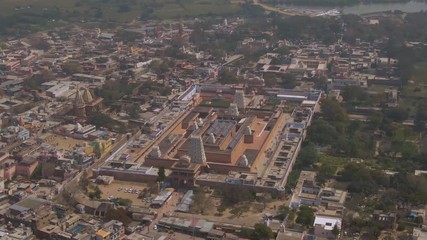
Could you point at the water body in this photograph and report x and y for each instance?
(366, 8)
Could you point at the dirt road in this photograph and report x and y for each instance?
(275, 9)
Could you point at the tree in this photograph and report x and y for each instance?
(133, 111)
(270, 79)
(198, 35)
(124, 8)
(325, 172)
(411, 188)
(421, 116)
(333, 111)
(84, 181)
(236, 212)
(289, 81)
(397, 114)
(36, 80)
(362, 179)
(102, 120)
(42, 45)
(322, 132)
(307, 156)
(201, 202)
(159, 67)
(354, 94)
(118, 214)
(282, 211)
(226, 76)
(97, 193)
(336, 231)
(234, 195)
(220, 209)
(99, 13)
(101, 60)
(72, 68)
(419, 220)
(305, 216)
(124, 202)
(161, 174)
(262, 232)
(376, 119)
(321, 83)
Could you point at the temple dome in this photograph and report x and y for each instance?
(78, 100)
(243, 161)
(87, 96)
(185, 160)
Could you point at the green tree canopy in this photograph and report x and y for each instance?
(72, 67)
(161, 174)
(201, 202)
(227, 76)
(354, 94)
(118, 214)
(322, 132)
(262, 232)
(305, 216)
(289, 81)
(397, 114)
(307, 156)
(333, 111)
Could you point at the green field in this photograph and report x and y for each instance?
(416, 90)
(420, 73)
(333, 161)
(221, 103)
(116, 10)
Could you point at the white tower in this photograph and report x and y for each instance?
(211, 138)
(243, 161)
(233, 110)
(239, 99)
(248, 130)
(155, 152)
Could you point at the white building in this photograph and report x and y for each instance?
(324, 225)
(58, 90)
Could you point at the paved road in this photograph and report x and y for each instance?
(168, 208)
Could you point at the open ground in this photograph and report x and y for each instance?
(65, 143)
(119, 10)
(118, 189)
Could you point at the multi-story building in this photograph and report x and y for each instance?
(27, 166)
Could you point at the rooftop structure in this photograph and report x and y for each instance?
(259, 142)
(324, 225)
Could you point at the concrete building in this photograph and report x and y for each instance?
(26, 167)
(324, 226)
(113, 229)
(195, 227)
(88, 78)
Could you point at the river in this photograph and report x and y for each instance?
(366, 8)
